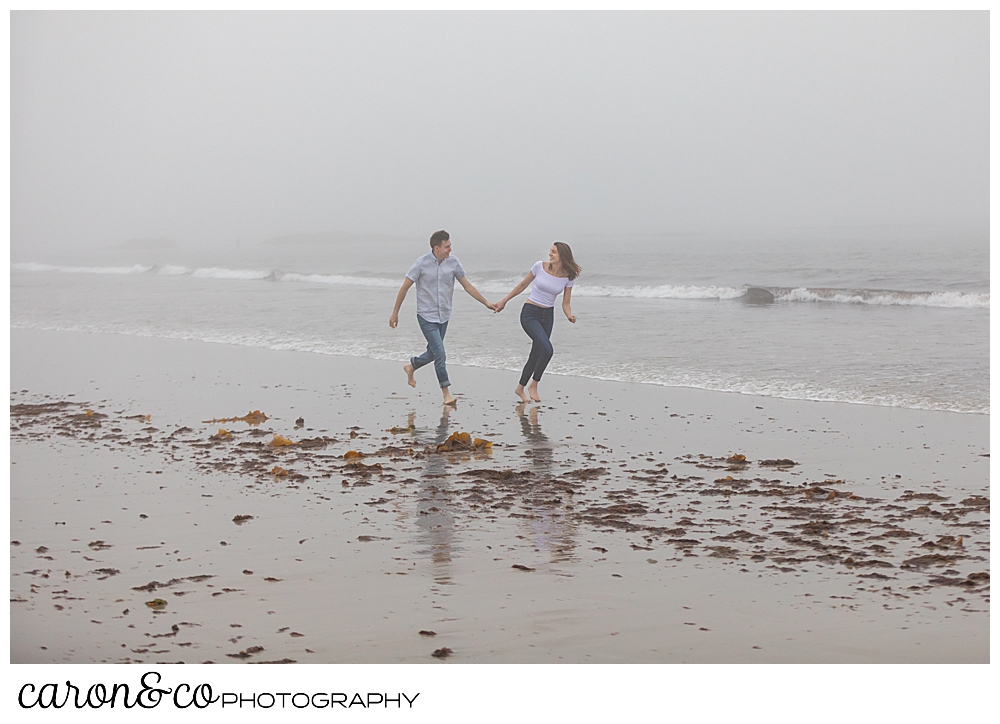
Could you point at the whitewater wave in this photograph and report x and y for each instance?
(338, 279)
(882, 297)
(878, 297)
(173, 271)
(662, 291)
(221, 273)
(35, 267)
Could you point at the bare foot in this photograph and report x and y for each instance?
(519, 391)
(449, 400)
(408, 369)
(533, 391)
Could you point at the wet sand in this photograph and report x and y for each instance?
(610, 523)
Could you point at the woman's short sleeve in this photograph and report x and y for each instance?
(569, 283)
(536, 268)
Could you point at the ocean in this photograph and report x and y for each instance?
(888, 321)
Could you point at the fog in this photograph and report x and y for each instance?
(206, 128)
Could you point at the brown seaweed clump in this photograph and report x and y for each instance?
(464, 441)
(254, 417)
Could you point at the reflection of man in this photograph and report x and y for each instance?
(435, 519)
(434, 274)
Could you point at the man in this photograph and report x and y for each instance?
(434, 274)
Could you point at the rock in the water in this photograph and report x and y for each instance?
(757, 295)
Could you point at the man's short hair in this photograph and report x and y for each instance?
(439, 237)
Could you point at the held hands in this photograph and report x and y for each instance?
(498, 307)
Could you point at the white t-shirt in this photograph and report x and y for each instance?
(546, 287)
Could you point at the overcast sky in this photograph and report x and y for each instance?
(211, 127)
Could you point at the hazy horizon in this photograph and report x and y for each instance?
(206, 129)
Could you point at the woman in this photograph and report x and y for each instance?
(550, 279)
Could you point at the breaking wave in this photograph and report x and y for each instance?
(883, 297)
(878, 297)
(663, 291)
(219, 273)
(35, 267)
(339, 279)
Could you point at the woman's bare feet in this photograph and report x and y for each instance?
(519, 391)
(408, 369)
(533, 391)
(448, 399)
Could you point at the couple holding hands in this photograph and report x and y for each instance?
(434, 275)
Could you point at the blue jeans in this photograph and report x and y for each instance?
(434, 334)
(537, 322)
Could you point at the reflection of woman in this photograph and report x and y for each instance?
(538, 442)
(547, 498)
(550, 279)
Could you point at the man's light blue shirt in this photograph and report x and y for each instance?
(435, 283)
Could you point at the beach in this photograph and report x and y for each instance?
(614, 522)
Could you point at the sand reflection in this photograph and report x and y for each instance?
(435, 521)
(545, 503)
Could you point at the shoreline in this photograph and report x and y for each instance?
(437, 547)
(305, 347)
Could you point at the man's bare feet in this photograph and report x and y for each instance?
(519, 391)
(408, 369)
(533, 391)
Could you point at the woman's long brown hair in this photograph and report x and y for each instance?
(566, 259)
